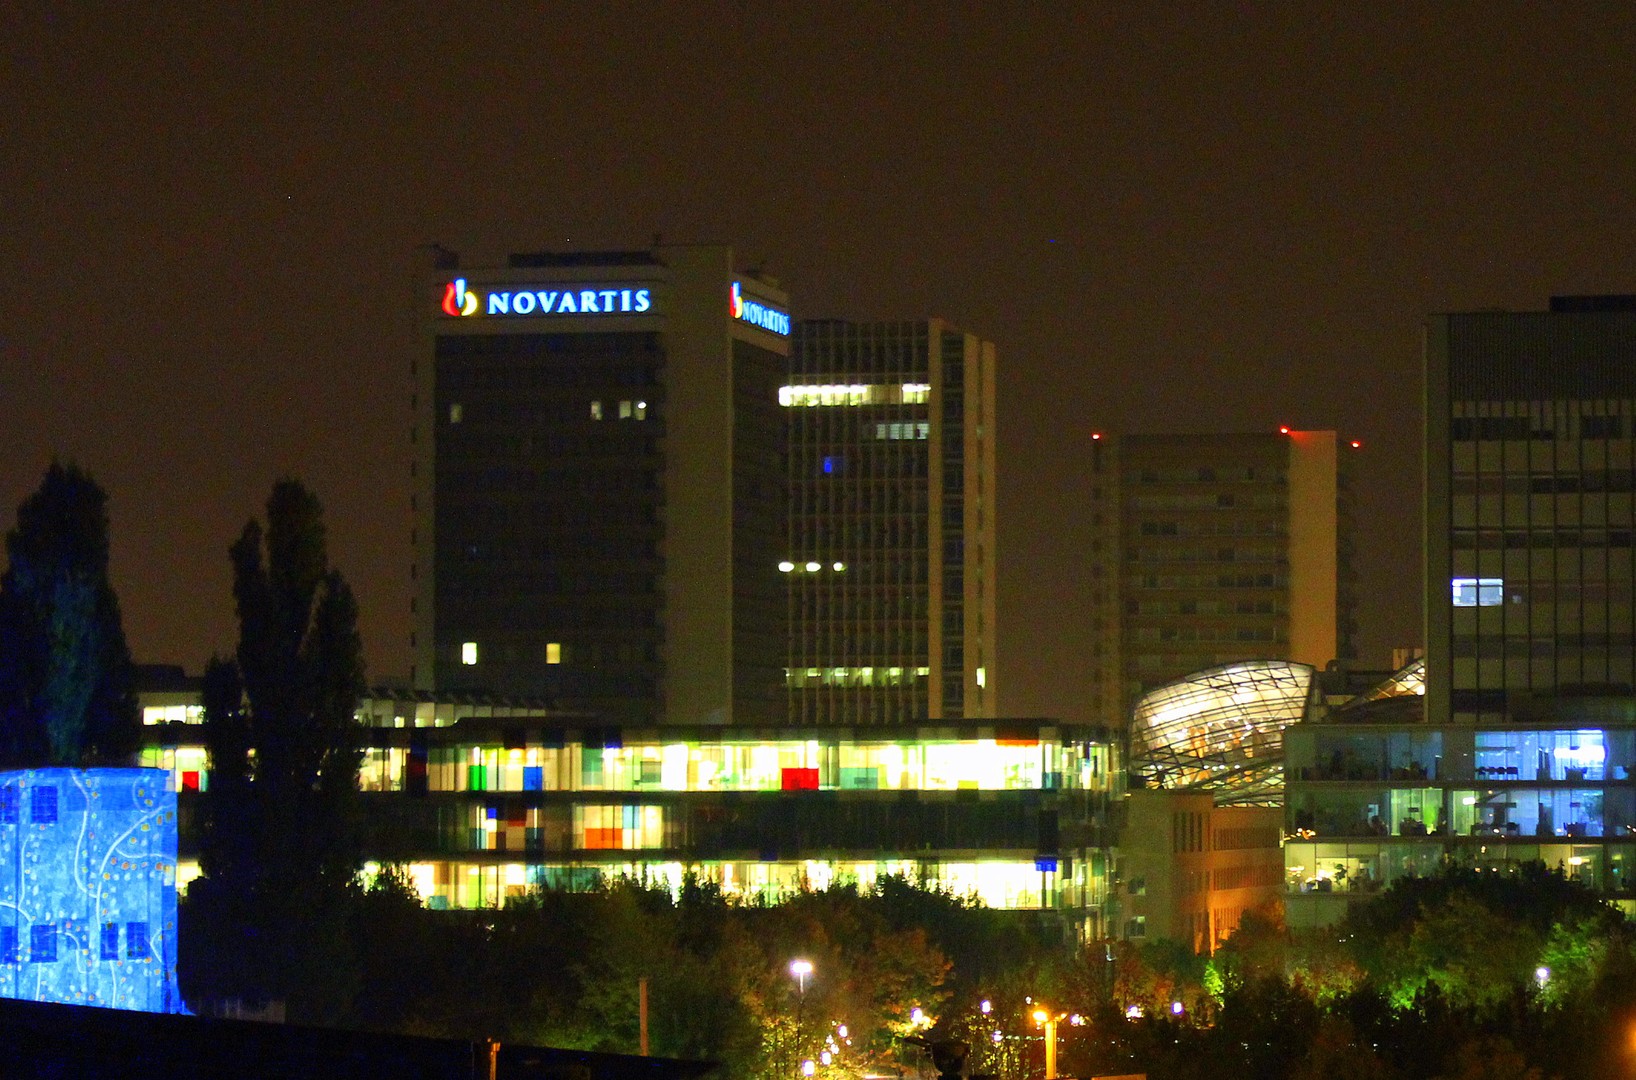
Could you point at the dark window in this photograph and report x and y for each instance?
(43, 805)
(43, 944)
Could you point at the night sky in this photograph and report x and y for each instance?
(1169, 217)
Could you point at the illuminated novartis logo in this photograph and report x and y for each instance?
(457, 300)
(620, 299)
(758, 314)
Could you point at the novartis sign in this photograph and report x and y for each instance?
(756, 313)
(605, 299)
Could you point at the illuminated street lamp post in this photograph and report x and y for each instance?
(801, 969)
(1048, 1021)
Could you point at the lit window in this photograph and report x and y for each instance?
(553, 652)
(624, 410)
(982, 676)
(641, 410)
(468, 652)
(596, 410)
(456, 413)
(1479, 592)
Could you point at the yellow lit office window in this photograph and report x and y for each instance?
(468, 652)
(553, 652)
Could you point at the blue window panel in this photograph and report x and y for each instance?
(42, 946)
(136, 941)
(1046, 864)
(43, 804)
(8, 804)
(8, 944)
(533, 778)
(492, 812)
(110, 941)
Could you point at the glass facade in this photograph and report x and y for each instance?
(484, 807)
(1371, 798)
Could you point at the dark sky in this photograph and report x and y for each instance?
(1169, 217)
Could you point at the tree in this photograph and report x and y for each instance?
(65, 669)
(281, 847)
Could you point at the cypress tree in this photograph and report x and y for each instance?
(281, 848)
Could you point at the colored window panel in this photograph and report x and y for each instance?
(799, 779)
(43, 805)
(136, 941)
(42, 946)
(110, 941)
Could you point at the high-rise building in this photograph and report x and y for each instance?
(1213, 549)
(599, 486)
(1529, 478)
(890, 565)
(1513, 741)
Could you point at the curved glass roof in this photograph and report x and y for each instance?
(1221, 730)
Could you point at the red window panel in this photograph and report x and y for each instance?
(800, 779)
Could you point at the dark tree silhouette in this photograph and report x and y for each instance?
(65, 670)
(280, 849)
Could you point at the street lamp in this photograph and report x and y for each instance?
(801, 969)
(1048, 1020)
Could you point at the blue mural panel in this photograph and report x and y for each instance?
(88, 888)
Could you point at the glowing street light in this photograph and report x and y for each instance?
(801, 969)
(1048, 1020)
(1542, 975)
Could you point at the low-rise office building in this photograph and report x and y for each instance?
(483, 799)
(1375, 793)
(1190, 869)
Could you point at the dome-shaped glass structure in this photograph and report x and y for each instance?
(1221, 730)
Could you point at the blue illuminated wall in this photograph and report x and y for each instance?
(88, 888)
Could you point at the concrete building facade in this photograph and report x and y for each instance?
(1190, 869)
(1213, 549)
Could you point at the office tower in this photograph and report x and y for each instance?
(599, 489)
(1214, 549)
(890, 565)
(1522, 747)
(1529, 563)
